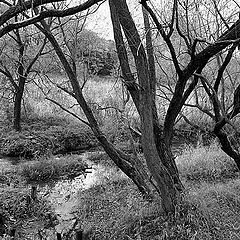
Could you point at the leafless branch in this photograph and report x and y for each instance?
(36, 57)
(172, 20)
(192, 124)
(66, 110)
(110, 107)
(181, 34)
(220, 15)
(44, 14)
(204, 110)
(223, 66)
(9, 76)
(66, 91)
(164, 36)
(213, 94)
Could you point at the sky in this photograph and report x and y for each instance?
(100, 22)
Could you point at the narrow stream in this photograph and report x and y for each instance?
(63, 194)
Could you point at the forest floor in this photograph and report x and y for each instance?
(112, 208)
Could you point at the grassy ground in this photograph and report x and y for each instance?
(210, 207)
(18, 209)
(113, 208)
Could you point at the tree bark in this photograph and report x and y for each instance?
(17, 108)
(159, 172)
(166, 158)
(163, 147)
(20, 87)
(227, 147)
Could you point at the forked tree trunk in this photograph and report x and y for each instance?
(164, 148)
(226, 145)
(164, 151)
(145, 103)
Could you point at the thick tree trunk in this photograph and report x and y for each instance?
(17, 111)
(164, 149)
(18, 105)
(167, 158)
(159, 172)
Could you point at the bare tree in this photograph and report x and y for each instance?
(18, 68)
(160, 158)
(47, 10)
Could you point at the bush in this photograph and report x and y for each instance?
(53, 168)
(55, 139)
(23, 144)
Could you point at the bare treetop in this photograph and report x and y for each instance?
(47, 9)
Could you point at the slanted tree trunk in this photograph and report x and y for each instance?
(125, 162)
(229, 148)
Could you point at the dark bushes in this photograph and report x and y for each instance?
(55, 139)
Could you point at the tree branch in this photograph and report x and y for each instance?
(223, 67)
(21, 7)
(35, 58)
(164, 36)
(9, 76)
(66, 110)
(47, 13)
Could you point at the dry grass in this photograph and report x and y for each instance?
(210, 207)
(206, 163)
(219, 202)
(52, 168)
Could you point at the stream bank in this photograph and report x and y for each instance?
(62, 194)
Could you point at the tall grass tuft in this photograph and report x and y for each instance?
(47, 169)
(220, 204)
(206, 163)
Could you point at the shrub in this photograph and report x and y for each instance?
(53, 168)
(23, 144)
(55, 139)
